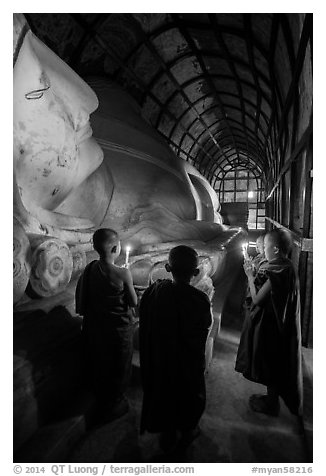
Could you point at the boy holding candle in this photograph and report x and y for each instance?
(269, 352)
(104, 296)
(174, 320)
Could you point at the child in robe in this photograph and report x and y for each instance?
(269, 352)
(174, 320)
(104, 296)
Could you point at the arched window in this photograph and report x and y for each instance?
(240, 184)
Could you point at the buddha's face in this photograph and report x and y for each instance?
(53, 148)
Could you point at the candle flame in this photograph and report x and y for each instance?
(244, 250)
(128, 248)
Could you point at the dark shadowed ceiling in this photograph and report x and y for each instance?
(217, 86)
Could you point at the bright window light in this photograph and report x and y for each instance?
(250, 194)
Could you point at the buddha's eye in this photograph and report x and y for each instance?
(36, 93)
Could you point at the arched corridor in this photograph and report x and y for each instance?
(190, 128)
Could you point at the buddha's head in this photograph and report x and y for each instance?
(54, 150)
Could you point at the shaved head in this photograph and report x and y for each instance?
(183, 260)
(104, 239)
(282, 239)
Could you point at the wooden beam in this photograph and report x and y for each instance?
(305, 36)
(304, 244)
(301, 144)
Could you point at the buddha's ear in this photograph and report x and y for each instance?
(196, 272)
(276, 250)
(168, 267)
(114, 249)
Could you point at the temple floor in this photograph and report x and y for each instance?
(230, 431)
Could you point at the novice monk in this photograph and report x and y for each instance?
(104, 295)
(270, 346)
(174, 319)
(260, 258)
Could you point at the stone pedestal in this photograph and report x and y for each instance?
(21, 259)
(52, 266)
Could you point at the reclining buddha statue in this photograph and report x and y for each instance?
(71, 178)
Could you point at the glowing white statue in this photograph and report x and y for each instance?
(53, 146)
(65, 187)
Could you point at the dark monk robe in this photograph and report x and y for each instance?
(270, 346)
(107, 333)
(174, 319)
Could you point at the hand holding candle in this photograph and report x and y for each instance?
(248, 269)
(245, 251)
(127, 256)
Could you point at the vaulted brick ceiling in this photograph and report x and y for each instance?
(214, 85)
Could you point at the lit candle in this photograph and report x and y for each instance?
(127, 255)
(244, 251)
